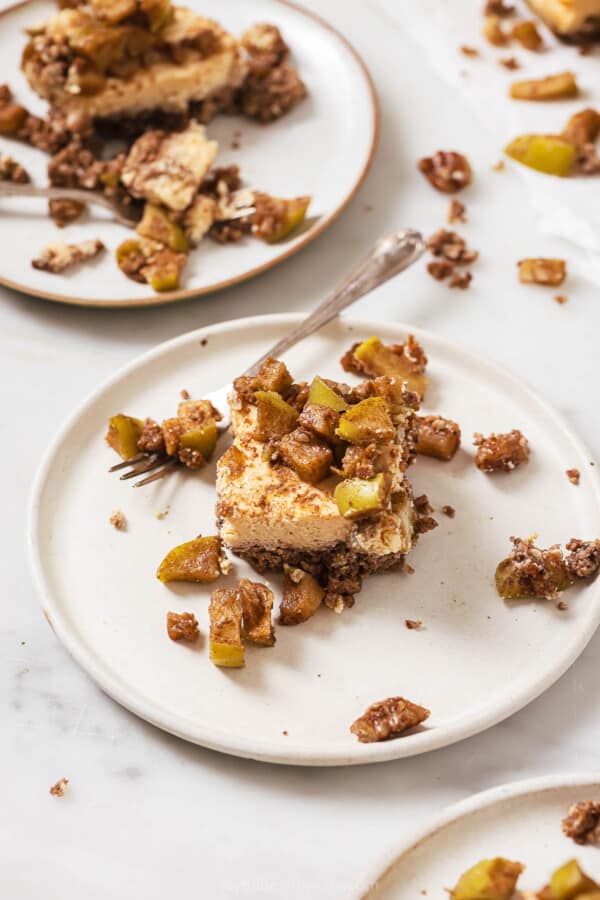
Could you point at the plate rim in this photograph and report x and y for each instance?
(263, 749)
(469, 805)
(307, 238)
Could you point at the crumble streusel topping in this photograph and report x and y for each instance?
(501, 452)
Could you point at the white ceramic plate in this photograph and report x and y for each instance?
(323, 148)
(520, 821)
(294, 703)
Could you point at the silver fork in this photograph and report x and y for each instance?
(388, 257)
(8, 189)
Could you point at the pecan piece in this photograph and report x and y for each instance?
(447, 171)
(388, 718)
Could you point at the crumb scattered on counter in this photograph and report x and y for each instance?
(573, 475)
(510, 63)
(466, 50)
(457, 212)
(163, 513)
(413, 624)
(449, 511)
(499, 166)
(185, 395)
(58, 789)
(561, 299)
(118, 520)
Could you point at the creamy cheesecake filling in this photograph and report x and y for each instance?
(84, 67)
(572, 19)
(270, 517)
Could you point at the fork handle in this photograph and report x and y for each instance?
(389, 256)
(8, 189)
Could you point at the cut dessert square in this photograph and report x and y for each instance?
(108, 60)
(315, 478)
(573, 20)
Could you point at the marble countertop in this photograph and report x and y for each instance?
(147, 815)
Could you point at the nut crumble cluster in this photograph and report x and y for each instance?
(388, 718)
(57, 257)
(531, 572)
(84, 51)
(447, 171)
(182, 627)
(582, 823)
(451, 251)
(501, 452)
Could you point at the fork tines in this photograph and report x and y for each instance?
(157, 463)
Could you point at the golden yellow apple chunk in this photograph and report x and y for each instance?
(569, 881)
(156, 225)
(225, 612)
(367, 421)
(321, 394)
(123, 434)
(543, 152)
(274, 416)
(198, 560)
(276, 217)
(357, 497)
(489, 879)
(203, 439)
(377, 359)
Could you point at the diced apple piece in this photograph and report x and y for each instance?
(198, 560)
(203, 439)
(367, 421)
(489, 879)
(306, 455)
(273, 375)
(323, 395)
(511, 584)
(162, 272)
(357, 497)
(302, 596)
(123, 434)
(257, 606)
(225, 612)
(569, 881)
(156, 225)
(321, 420)
(527, 34)
(582, 128)
(437, 437)
(274, 416)
(274, 218)
(378, 359)
(543, 152)
(553, 87)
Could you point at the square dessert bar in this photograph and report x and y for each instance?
(577, 21)
(315, 478)
(112, 58)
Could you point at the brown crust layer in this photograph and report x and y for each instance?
(338, 569)
(590, 34)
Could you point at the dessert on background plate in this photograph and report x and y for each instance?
(577, 21)
(151, 75)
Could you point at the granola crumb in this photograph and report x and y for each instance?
(457, 212)
(388, 718)
(440, 269)
(573, 475)
(58, 256)
(284, 733)
(585, 50)
(561, 299)
(413, 624)
(466, 50)
(182, 626)
(499, 166)
(59, 789)
(449, 245)
(501, 452)
(510, 62)
(449, 511)
(498, 8)
(163, 513)
(118, 520)
(562, 605)
(185, 395)
(582, 822)
(460, 280)
(204, 342)
(583, 557)
(447, 171)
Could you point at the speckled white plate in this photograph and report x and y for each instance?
(323, 147)
(476, 661)
(520, 821)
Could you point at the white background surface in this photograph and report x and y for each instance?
(146, 815)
